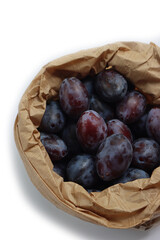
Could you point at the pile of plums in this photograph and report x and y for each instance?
(101, 131)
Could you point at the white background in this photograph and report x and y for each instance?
(32, 33)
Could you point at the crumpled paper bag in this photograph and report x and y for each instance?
(134, 204)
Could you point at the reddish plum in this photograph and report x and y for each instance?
(115, 126)
(153, 124)
(55, 146)
(91, 130)
(114, 157)
(146, 154)
(131, 108)
(73, 97)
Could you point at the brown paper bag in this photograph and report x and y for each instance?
(134, 204)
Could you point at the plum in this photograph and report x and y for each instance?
(81, 169)
(93, 190)
(54, 145)
(114, 157)
(115, 126)
(146, 154)
(60, 168)
(104, 109)
(88, 82)
(130, 175)
(131, 108)
(70, 138)
(138, 128)
(53, 119)
(91, 130)
(110, 85)
(73, 97)
(153, 124)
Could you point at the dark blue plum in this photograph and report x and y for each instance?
(101, 107)
(130, 175)
(53, 119)
(54, 145)
(60, 168)
(82, 170)
(88, 82)
(138, 128)
(70, 138)
(93, 190)
(110, 85)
